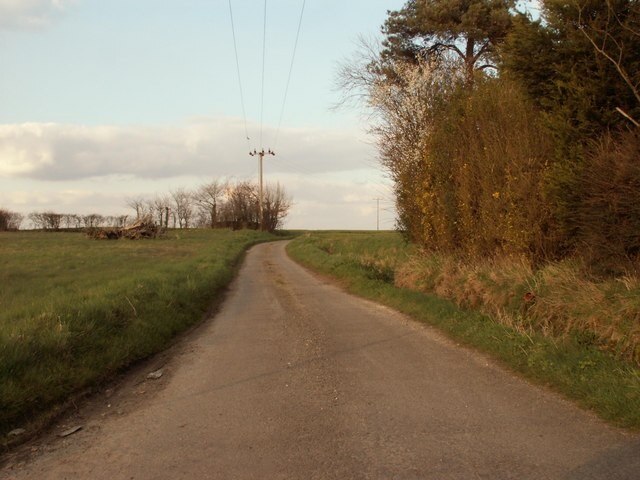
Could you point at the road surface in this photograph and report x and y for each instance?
(294, 379)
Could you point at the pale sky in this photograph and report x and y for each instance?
(101, 100)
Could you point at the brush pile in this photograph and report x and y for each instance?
(137, 231)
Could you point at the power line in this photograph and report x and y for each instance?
(293, 58)
(235, 49)
(264, 56)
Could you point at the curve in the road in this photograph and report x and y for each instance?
(295, 379)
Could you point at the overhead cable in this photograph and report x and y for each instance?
(264, 56)
(293, 58)
(235, 49)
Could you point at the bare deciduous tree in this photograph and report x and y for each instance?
(92, 220)
(241, 208)
(46, 220)
(208, 198)
(159, 208)
(182, 207)
(52, 220)
(71, 220)
(10, 220)
(276, 207)
(15, 220)
(138, 204)
(37, 220)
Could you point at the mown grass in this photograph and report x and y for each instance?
(368, 264)
(74, 311)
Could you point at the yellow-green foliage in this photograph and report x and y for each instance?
(486, 161)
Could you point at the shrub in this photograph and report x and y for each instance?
(488, 157)
(607, 215)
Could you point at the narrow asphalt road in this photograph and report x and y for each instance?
(294, 379)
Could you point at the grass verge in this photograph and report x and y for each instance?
(366, 265)
(74, 311)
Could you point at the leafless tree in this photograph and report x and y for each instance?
(241, 208)
(138, 204)
(182, 207)
(37, 220)
(92, 220)
(46, 220)
(52, 220)
(10, 220)
(159, 208)
(71, 220)
(358, 73)
(276, 205)
(15, 220)
(208, 198)
(4, 220)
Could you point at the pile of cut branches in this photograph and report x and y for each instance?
(137, 231)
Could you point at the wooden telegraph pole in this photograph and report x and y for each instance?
(260, 156)
(378, 213)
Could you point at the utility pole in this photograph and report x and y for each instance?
(378, 213)
(260, 156)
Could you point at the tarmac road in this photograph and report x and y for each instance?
(294, 379)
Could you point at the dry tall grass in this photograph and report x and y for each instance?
(560, 300)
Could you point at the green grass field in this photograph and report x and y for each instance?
(74, 311)
(367, 264)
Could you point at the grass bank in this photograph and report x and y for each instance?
(564, 356)
(75, 311)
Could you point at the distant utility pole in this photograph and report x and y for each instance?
(378, 212)
(260, 156)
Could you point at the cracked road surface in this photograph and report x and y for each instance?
(294, 379)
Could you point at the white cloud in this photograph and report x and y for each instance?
(20, 155)
(30, 13)
(331, 175)
(200, 147)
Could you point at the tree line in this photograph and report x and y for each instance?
(215, 204)
(508, 134)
